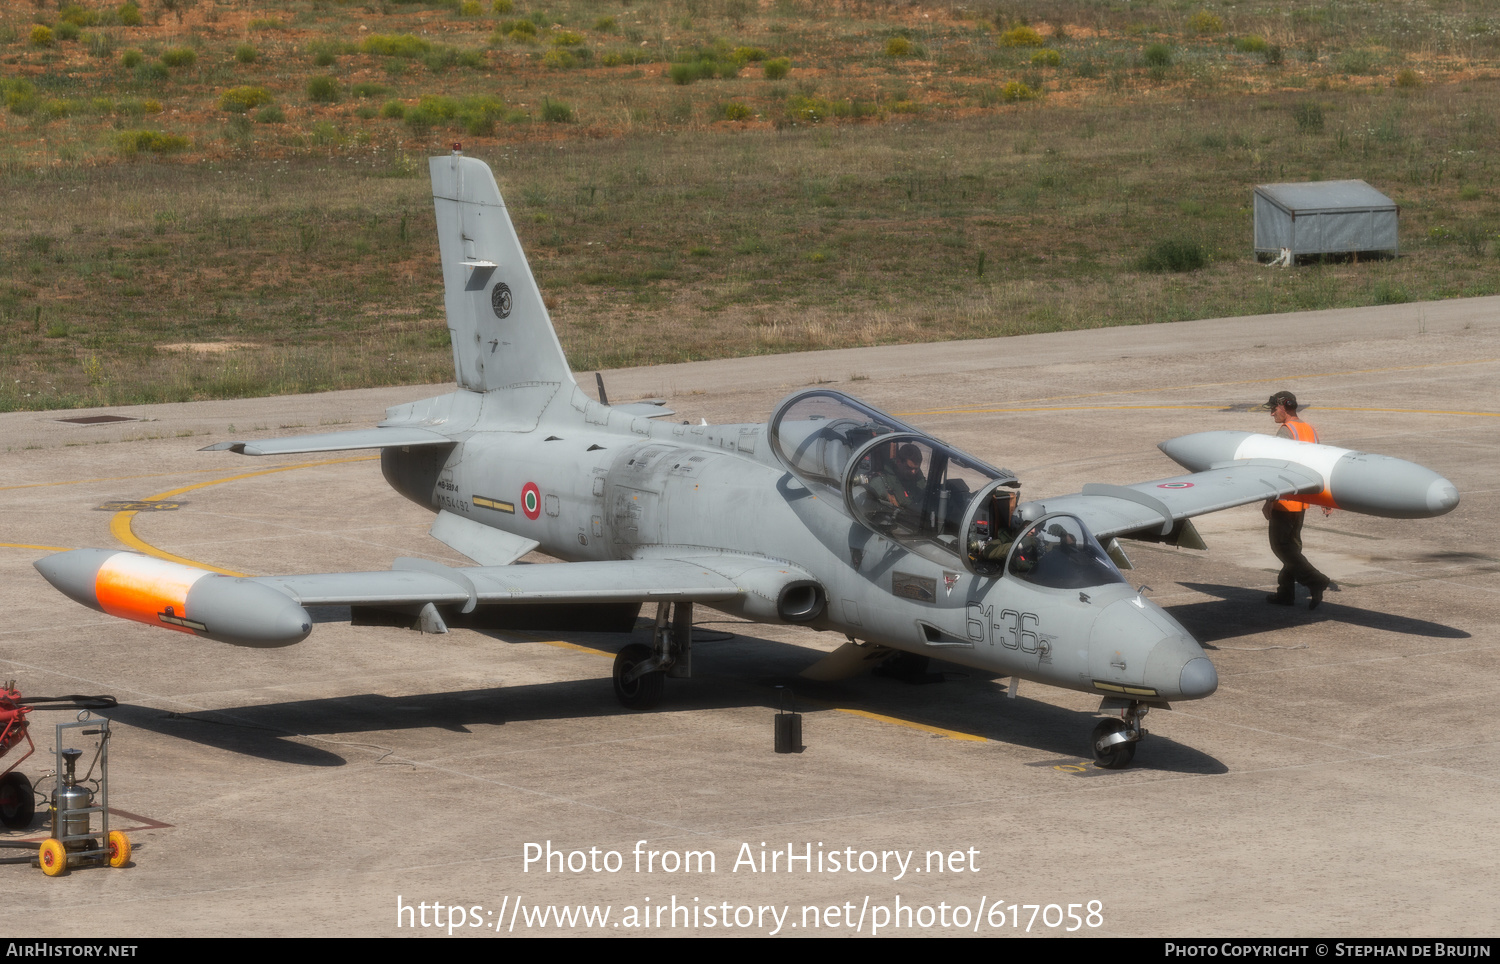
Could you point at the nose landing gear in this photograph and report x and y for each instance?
(1115, 737)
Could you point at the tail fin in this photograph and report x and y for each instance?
(501, 332)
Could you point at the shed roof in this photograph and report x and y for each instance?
(1310, 197)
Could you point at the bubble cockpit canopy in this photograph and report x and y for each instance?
(921, 493)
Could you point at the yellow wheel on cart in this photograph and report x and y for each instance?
(119, 848)
(52, 857)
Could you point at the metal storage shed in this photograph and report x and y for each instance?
(1323, 217)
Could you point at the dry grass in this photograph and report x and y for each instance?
(866, 199)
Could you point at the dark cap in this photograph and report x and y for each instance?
(1281, 398)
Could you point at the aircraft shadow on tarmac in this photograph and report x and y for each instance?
(737, 672)
(1239, 611)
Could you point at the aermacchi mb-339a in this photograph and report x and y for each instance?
(832, 514)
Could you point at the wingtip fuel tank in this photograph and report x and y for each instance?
(228, 609)
(1376, 485)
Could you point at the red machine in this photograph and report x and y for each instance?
(17, 801)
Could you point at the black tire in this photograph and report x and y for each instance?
(644, 692)
(17, 802)
(1117, 756)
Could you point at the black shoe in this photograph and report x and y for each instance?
(1277, 599)
(1317, 595)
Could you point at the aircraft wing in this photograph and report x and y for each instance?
(367, 438)
(269, 610)
(418, 581)
(1112, 510)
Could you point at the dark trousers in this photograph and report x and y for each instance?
(1286, 542)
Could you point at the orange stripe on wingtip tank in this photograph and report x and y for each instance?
(141, 588)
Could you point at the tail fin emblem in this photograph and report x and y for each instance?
(500, 300)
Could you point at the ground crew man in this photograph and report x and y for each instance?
(1286, 515)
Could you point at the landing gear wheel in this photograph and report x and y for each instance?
(1113, 755)
(643, 692)
(52, 858)
(17, 802)
(119, 848)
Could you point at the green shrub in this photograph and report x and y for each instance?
(777, 68)
(41, 36)
(556, 111)
(1274, 55)
(67, 31)
(1205, 23)
(56, 108)
(1174, 254)
(469, 8)
(395, 45)
(606, 25)
(323, 89)
(131, 59)
(179, 56)
(559, 59)
(152, 72)
(1252, 44)
(566, 38)
(441, 58)
(393, 110)
(502, 6)
(1390, 293)
(246, 54)
(747, 55)
(1408, 78)
(735, 111)
(898, 47)
(1309, 116)
(1157, 55)
(1015, 91)
(153, 142)
(239, 100)
(1020, 36)
(270, 115)
(129, 15)
(422, 118)
(79, 16)
(1046, 58)
(367, 89)
(1356, 62)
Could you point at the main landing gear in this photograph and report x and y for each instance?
(1116, 736)
(641, 671)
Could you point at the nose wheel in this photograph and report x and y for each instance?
(1115, 738)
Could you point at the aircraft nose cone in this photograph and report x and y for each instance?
(1442, 497)
(1199, 678)
(1178, 670)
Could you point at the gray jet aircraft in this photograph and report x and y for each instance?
(832, 514)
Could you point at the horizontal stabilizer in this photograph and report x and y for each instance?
(650, 408)
(368, 438)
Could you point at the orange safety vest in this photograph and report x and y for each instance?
(1302, 432)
